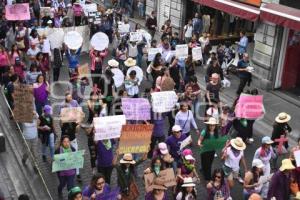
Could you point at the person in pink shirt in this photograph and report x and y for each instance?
(4, 63)
(97, 58)
(14, 53)
(19, 68)
(77, 13)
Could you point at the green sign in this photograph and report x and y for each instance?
(213, 144)
(66, 161)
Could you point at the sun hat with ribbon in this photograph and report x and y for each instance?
(127, 158)
(188, 182)
(130, 62)
(238, 144)
(113, 63)
(286, 164)
(267, 140)
(283, 117)
(211, 121)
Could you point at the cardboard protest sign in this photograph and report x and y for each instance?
(166, 177)
(163, 101)
(136, 108)
(213, 144)
(100, 41)
(135, 36)
(182, 51)
(197, 53)
(17, 12)
(66, 161)
(135, 138)
(249, 107)
(108, 127)
(185, 142)
(71, 114)
(168, 84)
(23, 101)
(111, 195)
(152, 52)
(83, 70)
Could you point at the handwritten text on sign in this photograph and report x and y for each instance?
(108, 127)
(250, 107)
(135, 138)
(19, 11)
(23, 110)
(136, 108)
(66, 161)
(197, 53)
(167, 177)
(182, 51)
(163, 101)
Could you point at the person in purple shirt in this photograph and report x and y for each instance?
(40, 92)
(97, 187)
(158, 120)
(280, 182)
(174, 142)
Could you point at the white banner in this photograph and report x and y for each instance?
(197, 53)
(108, 127)
(163, 101)
(136, 36)
(89, 8)
(182, 51)
(152, 52)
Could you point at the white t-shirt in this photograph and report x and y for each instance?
(233, 161)
(33, 52)
(187, 197)
(188, 31)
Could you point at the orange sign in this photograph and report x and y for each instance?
(251, 2)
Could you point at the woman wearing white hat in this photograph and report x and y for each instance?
(233, 155)
(188, 191)
(251, 180)
(207, 157)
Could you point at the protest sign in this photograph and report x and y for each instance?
(73, 40)
(17, 12)
(166, 177)
(249, 107)
(135, 138)
(122, 28)
(71, 114)
(168, 55)
(197, 53)
(83, 70)
(23, 101)
(152, 52)
(213, 144)
(297, 157)
(163, 101)
(185, 142)
(111, 195)
(99, 41)
(66, 161)
(167, 84)
(136, 36)
(118, 76)
(56, 38)
(89, 8)
(182, 51)
(136, 108)
(108, 127)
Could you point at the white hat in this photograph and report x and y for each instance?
(238, 144)
(257, 163)
(163, 148)
(113, 63)
(69, 5)
(189, 157)
(130, 62)
(127, 158)
(283, 117)
(176, 128)
(188, 182)
(211, 121)
(49, 22)
(267, 140)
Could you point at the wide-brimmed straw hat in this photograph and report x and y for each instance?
(238, 144)
(113, 63)
(286, 164)
(127, 158)
(257, 163)
(211, 121)
(130, 62)
(188, 182)
(283, 117)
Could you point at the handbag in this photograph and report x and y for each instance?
(133, 192)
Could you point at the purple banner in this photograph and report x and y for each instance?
(136, 108)
(112, 195)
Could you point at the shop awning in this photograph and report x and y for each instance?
(281, 15)
(235, 8)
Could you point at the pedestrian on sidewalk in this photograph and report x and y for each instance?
(242, 44)
(188, 31)
(244, 74)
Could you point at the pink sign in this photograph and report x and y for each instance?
(17, 12)
(249, 107)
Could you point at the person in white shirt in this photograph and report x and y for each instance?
(132, 49)
(188, 31)
(132, 84)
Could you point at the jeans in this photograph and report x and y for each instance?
(65, 180)
(51, 146)
(182, 71)
(207, 159)
(246, 195)
(141, 10)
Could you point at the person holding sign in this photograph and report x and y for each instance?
(66, 177)
(158, 191)
(97, 58)
(73, 59)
